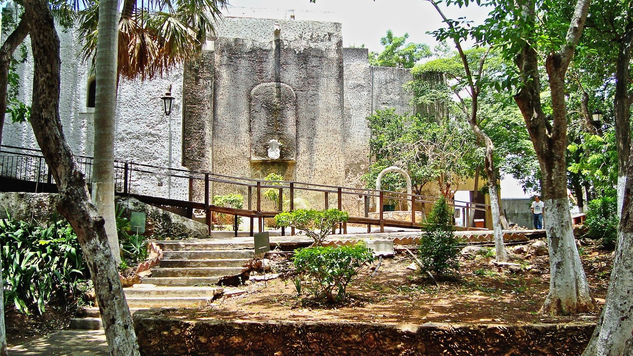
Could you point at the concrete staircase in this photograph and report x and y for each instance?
(185, 278)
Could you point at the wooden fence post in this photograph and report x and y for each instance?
(207, 207)
(292, 204)
(259, 206)
(250, 207)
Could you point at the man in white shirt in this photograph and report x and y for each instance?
(537, 208)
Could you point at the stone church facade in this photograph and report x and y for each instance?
(264, 96)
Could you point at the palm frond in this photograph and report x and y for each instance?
(157, 37)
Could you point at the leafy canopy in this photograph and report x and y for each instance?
(398, 52)
(317, 224)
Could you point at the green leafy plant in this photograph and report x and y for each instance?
(438, 246)
(326, 271)
(272, 194)
(235, 201)
(602, 221)
(133, 246)
(39, 263)
(317, 224)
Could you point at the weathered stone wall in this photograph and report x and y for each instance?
(217, 120)
(309, 61)
(188, 335)
(388, 89)
(142, 129)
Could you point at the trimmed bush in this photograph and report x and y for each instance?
(317, 224)
(235, 201)
(39, 263)
(326, 271)
(438, 246)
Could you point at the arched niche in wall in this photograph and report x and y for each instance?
(273, 122)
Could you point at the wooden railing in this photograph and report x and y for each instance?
(135, 179)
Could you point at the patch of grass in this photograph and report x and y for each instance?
(409, 289)
(518, 286)
(482, 272)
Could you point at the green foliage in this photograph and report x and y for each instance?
(427, 149)
(326, 271)
(399, 53)
(438, 82)
(317, 224)
(438, 246)
(229, 201)
(440, 218)
(272, 194)
(602, 220)
(594, 159)
(235, 201)
(133, 246)
(39, 263)
(19, 111)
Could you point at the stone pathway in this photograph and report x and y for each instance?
(66, 342)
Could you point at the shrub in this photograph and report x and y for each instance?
(602, 221)
(235, 201)
(133, 246)
(317, 224)
(39, 263)
(326, 271)
(438, 246)
(272, 194)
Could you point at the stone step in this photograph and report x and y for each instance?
(153, 291)
(208, 254)
(227, 262)
(168, 302)
(86, 323)
(199, 245)
(196, 272)
(182, 281)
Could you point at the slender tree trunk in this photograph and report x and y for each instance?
(483, 140)
(568, 292)
(622, 108)
(3, 332)
(6, 54)
(73, 202)
(104, 120)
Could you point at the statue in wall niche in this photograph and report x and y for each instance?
(274, 149)
(273, 122)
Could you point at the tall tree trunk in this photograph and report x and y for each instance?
(622, 108)
(104, 120)
(3, 333)
(73, 202)
(568, 291)
(6, 54)
(613, 333)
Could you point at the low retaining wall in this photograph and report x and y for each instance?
(173, 332)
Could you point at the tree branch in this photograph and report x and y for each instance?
(6, 54)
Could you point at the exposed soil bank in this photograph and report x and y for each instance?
(175, 332)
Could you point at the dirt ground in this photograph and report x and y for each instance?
(482, 292)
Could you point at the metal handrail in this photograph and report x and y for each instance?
(124, 171)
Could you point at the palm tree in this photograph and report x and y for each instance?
(152, 38)
(155, 36)
(104, 120)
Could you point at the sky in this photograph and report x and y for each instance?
(364, 21)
